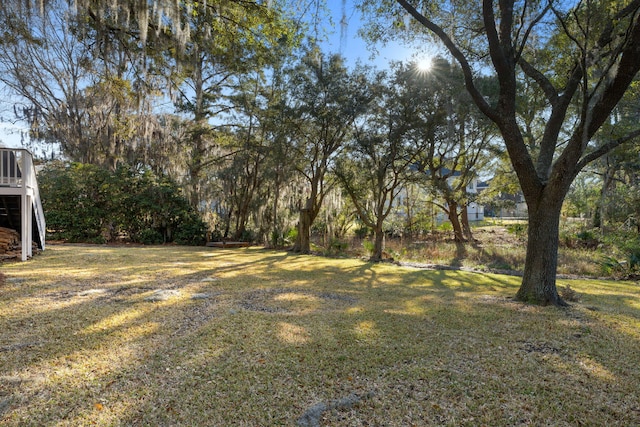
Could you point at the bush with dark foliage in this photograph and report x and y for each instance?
(85, 203)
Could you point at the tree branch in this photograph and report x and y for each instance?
(628, 67)
(605, 148)
(482, 104)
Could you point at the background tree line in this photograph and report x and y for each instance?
(262, 131)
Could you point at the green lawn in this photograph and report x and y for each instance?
(95, 335)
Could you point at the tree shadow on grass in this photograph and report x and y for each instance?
(424, 338)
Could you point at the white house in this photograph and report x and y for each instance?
(475, 211)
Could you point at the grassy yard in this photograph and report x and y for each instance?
(159, 336)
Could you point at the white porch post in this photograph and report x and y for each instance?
(24, 199)
(30, 226)
(27, 206)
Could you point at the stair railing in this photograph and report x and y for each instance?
(10, 167)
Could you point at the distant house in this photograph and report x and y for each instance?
(511, 206)
(505, 205)
(475, 211)
(482, 186)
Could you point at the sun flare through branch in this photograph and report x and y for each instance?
(424, 65)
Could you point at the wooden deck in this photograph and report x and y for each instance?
(20, 205)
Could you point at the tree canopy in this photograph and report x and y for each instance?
(580, 57)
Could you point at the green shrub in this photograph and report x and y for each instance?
(368, 246)
(518, 229)
(75, 201)
(628, 267)
(610, 266)
(292, 235)
(248, 236)
(588, 239)
(337, 246)
(623, 254)
(445, 226)
(362, 232)
(148, 236)
(280, 239)
(585, 239)
(84, 203)
(192, 231)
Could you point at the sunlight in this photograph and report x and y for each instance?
(366, 329)
(424, 65)
(293, 334)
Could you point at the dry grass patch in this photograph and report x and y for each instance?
(187, 336)
(496, 249)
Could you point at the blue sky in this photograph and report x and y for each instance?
(353, 47)
(10, 135)
(9, 132)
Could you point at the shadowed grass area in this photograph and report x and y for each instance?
(93, 335)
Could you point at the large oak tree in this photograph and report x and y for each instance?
(580, 55)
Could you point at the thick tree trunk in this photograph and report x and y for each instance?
(303, 241)
(196, 169)
(466, 228)
(378, 245)
(539, 279)
(227, 225)
(240, 229)
(455, 221)
(600, 215)
(276, 231)
(242, 218)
